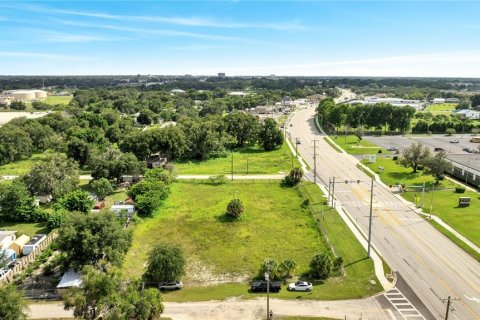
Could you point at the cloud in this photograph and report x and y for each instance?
(181, 21)
(53, 36)
(41, 55)
(153, 31)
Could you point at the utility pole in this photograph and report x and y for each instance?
(333, 192)
(423, 194)
(315, 161)
(267, 278)
(232, 166)
(431, 201)
(370, 220)
(449, 302)
(329, 185)
(296, 145)
(247, 165)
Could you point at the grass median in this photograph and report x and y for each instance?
(223, 256)
(352, 145)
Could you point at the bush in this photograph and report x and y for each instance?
(56, 218)
(337, 265)
(321, 266)
(294, 177)
(395, 158)
(102, 188)
(450, 131)
(235, 208)
(217, 180)
(459, 189)
(165, 263)
(380, 151)
(271, 266)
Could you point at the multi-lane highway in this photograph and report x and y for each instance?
(432, 265)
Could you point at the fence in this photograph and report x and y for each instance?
(26, 260)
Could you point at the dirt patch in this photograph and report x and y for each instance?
(198, 273)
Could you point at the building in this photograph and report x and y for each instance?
(452, 100)
(179, 91)
(6, 100)
(19, 243)
(31, 245)
(6, 239)
(155, 161)
(438, 101)
(263, 109)
(120, 209)
(237, 93)
(221, 74)
(467, 114)
(26, 95)
(70, 279)
(396, 102)
(43, 199)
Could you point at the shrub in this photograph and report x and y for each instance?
(450, 131)
(395, 158)
(102, 187)
(271, 266)
(459, 189)
(56, 218)
(294, 177)
(337, 265)
(321, 266)
(165, 263)
(217, 180)
(380, 151)
(235, 208)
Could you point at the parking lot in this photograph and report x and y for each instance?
(454, 150)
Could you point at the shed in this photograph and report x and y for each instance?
(18, 244)
(7, 238)
(99, 205)
(118, 209)
(70, 279)
(31, 245)
(10, 255)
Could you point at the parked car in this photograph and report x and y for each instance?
(470, 150)
(261, 286)
(438, 149)
(170, 285)
(392, 148)
(300, 286)
(454, 141)
(4, 272)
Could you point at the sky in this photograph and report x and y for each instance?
(311, 38)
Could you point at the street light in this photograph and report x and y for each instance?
(267, 278)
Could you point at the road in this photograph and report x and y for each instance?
(431, 265)
(237, 308)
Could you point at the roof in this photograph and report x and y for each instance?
(123, 206)
(36, 239)
(22, 240)
(4, 234)
(70, 279)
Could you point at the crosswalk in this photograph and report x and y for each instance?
(404, 307)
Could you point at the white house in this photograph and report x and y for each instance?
(31, 245)
(467, 114)
(438, 100)
(6, 239)
(119, 209)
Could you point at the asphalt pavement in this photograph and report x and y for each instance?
(431, 265)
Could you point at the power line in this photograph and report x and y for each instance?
(449, 302)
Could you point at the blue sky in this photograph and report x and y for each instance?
(322, 38)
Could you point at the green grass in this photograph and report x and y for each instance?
(274, 225)
(444, 108)
(21, 167)
(352, 146)
(332, 145)
(466, 221)
(29, 229)
(53, 100)
(259, 162)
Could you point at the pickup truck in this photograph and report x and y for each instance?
(261, 286)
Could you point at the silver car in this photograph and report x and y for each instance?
(170, 285)
(300, 286)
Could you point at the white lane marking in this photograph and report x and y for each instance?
(396, 294)
(392, 316)
(477, 300)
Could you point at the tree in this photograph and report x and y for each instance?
(415, 155)
(77, 200)
(270, 136)
(271, 267)
(160, 174)
(56, 175)
(101, 187)
(79, 150)
(294, 177)
(169, 141)
(235, 208)
(359, 134)
(18, 105)
(106, 295)
(287, 267)
(147, 203)
(475, 131)
(113, 164)
(243, 127)
(87, 239)
(15, 144)
(464, 104)
(16, 204)
(12, 303)
(165, 263)
(438, 165)
(450, 131)
(475, 100)
(146, 117)
(321, 266)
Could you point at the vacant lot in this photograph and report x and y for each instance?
(21, 167)
(443, 108)
(248, 160)
(9, 115)
(53, 100)
(352, 145)
(223, 255)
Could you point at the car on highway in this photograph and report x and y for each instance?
(454, 141)
(438, 149)
(261, 286)
(300, 286)
(470, 150)
(298, 141)
(392, 148)
(170, 285)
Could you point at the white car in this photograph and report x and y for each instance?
(454, 141)
(170, 285)
(300, 286)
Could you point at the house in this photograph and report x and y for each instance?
(286, 101)
(263, 109)
(128, 201)
(155, 161)
(70, 279)
(452, 100)
(6, 239)
(122, 209)
(467, 114)
(31, 245)
(19, 243)
(438, 101)
(177, 91)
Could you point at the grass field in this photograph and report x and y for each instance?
(248, 160)
(351, 145)
(21, 167)
(445, 201)
(274, 225)
(29, 229)
(53, 100)
(444, 108)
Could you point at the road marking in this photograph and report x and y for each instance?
(477, 300)
(406, 309)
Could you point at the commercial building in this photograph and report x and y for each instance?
(26, 95)
(438, 101)
(467, 114)
(396, 102)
